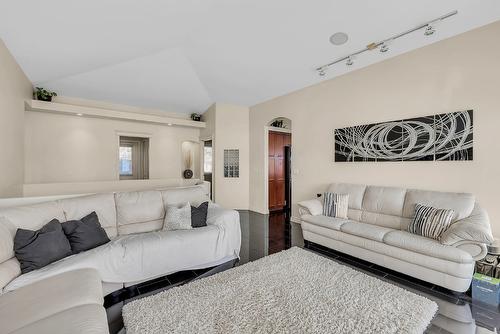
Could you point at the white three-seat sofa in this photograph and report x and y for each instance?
(376, 231)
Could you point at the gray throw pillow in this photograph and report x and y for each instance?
(36, 249)
(85, 234)
(177, 218)
(335, 205)
(199, 215)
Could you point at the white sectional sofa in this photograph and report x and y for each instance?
(138, 251)
(376, 231)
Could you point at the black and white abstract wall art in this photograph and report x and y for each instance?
(437, 137)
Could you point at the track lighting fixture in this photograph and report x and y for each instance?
(383, 45)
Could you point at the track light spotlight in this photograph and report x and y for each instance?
(349, 61)
(384, 48)
(321, 72)
(429, 30)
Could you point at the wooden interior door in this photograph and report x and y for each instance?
(277, 177)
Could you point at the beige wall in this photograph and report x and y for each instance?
(234, 122)
(60, 148)
(456, 74)
(228, 126)
(14, 89)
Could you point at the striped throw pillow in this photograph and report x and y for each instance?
(430, 222)
(335, 205)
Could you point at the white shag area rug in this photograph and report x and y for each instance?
(294, 291)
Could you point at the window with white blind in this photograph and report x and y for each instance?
(134, 158)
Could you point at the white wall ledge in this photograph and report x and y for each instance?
(85, 111)
(72, 188)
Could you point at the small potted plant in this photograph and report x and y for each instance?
(196, 117)
(43, 94)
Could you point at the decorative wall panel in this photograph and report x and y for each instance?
(437, 137)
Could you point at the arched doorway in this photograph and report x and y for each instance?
(279, 160)
(278, 154)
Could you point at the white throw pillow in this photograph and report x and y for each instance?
(177, 218)
(335, 205)
(314, 206)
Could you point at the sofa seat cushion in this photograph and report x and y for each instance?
(85, 319)
(325, 221)
(461, 270)
(144, 256)
(45, 298)
(426, 246)
(367, 231)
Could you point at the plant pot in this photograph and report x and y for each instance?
(48, 99)
(188, 173)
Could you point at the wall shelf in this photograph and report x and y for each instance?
(69, 109)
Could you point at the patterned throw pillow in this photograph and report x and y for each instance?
(430, 222)
(335, 205)
(177, 218)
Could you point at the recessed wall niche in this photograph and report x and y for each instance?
(190, 159)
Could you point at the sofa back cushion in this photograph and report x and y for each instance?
(139, 211)
(383, 206)
(30, 217)
(103, 204)
(34, 216)
(355, 191)
(195, 195)
(461, 203)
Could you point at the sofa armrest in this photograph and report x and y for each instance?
(475, 228)
(312, 207)
(476, 249)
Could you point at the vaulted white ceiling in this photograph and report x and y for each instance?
(183, 55)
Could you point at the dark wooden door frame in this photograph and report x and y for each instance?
(276, 169)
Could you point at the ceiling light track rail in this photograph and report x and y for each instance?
(382, 45)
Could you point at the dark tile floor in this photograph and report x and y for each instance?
(267, 234)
